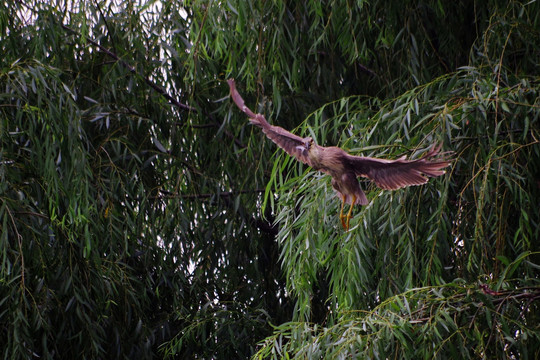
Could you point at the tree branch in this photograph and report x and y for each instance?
(153, 85)
(132, 70)
(223, 194)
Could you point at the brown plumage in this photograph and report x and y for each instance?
(345, 168)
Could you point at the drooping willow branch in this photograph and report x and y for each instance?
(155, 86)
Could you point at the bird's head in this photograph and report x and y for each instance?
(306, 145)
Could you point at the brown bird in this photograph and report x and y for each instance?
(344, 168)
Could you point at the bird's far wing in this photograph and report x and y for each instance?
(395, 174)
(289, 142)
(238, 99)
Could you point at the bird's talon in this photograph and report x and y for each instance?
(342, 218)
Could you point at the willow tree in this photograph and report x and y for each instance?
(141, 215)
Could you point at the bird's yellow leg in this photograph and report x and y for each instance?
(341, 216)
(350, 212)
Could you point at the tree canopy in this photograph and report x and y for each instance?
(141, 216)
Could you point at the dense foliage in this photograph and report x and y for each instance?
(142, 217)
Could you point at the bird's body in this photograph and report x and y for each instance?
(344, 180)
(345, 168)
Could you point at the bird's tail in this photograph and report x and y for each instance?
(360, 198)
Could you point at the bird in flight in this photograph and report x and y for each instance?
(345, 168)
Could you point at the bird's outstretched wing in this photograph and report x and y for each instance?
(294, 145)
(395, 174)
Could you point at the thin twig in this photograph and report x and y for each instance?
(223, 194)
